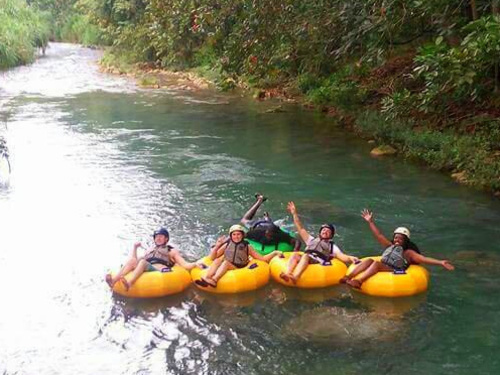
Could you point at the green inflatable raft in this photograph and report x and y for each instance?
(266, 249)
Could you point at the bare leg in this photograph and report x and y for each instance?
(127, 267)
(249, 215)
(374, 268)
(357, 270)
(292, 263)
(208, 278)
(138, 271)
(301, 267)
(225, 266)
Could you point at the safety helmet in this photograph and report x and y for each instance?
(402, 230)
(329, 226)
(163, 231)
(237, 227)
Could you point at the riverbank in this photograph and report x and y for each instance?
(149, 76)
(471, 156)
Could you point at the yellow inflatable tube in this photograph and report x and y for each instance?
(389, 284)
(254, 276)
(315, 275)
(156, 284)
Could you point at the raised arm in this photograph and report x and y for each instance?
(300, 229)
(368, 216)
(133, 253)
(215, 250)
(419, 258)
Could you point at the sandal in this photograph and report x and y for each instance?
(201, 283)
(259, 195)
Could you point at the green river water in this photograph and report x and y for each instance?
(98, 164)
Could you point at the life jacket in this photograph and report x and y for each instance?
(237, 253)
(160, 254)
(393, 257)
(321, 248)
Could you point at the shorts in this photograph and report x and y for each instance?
(240, 265)
(150, 268)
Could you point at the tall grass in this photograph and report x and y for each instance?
(77, 29)
(22, 29)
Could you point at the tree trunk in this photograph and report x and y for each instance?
(496, 78)
(494, 7)
(473, 9)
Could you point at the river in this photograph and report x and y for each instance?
(98, 163)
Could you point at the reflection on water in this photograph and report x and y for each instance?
(98, 164)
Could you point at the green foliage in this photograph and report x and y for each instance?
(307, 82)
(475, 154)
(22, 29)
(462, 73)
(265, 40)
(338, 90)
(78, 29)
(399, 104)
(69, 21)
(122, 62)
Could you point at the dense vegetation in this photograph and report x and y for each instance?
(422, 75)
(22, 30)
(68, 23)
(28, 25)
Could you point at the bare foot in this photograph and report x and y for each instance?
(109, 280)
(285, 277)
(293, 279)
(125, 283)
(354, 283)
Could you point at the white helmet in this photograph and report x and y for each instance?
(402, 230)
(236, 227)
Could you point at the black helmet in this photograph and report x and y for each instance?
(329, 226)
(163, 231)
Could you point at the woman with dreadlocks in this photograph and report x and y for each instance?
(398, 255)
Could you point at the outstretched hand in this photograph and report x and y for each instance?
(367, 215)
(354, 260)
(291, 208)
(446, 264)
(221, 240)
